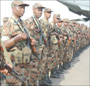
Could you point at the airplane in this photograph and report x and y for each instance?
(79, 7)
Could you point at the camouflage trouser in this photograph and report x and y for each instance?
(65, 49)
(2, 80)
(44, 64)
(12, 81)
(68, 53)
(53, 56)
(61, 51)
(33, 72)
(37, 65)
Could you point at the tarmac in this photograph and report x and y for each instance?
(79, 72)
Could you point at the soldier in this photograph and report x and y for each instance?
(66, 57)
(4, 72)
(36, 32)
(15, 37)
(46, 27)
(75, 29)
(61, 47)
(54, 46)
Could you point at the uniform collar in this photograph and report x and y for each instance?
(16, 21)
(45, 19)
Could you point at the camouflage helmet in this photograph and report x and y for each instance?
(66, 20)
(60, 20)
(48, 10)
(19, 3)
(86, 26)
(57, 16)
(70, 23)
(74, 22)
(5, 19)
(38, 6)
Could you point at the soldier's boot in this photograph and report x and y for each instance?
(65, 66)
(61, 68)
(48, 79)
(57, 70)
(55, 75)
(78, 53)
(44, 83)
(68, 64)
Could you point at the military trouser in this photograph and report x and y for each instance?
(54, 55)
(61, 51)
(36, 66)
(13, 81)
(44, 61)
(33, 72)
(2, 80)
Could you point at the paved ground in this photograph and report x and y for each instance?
(78, 74)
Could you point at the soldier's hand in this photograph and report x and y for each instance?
(23, 36)
(61, 36)
(5, 71)
(33, 42)
(70, 38)
(65, 34)
(54, 33)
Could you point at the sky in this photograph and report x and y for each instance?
(57, 8)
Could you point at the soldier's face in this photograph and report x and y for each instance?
(47, 15)
(37, 12)
(19, 10)
(59, 24)
(65, 23)
(56, 19)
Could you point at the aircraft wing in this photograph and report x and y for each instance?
(83, 19)
(76, 8)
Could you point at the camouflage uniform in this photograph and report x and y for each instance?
(19, 53)
(76, 43)
(46, 27)
(61, 39)
(35, 32)
(54, 44)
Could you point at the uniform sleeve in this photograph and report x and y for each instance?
(3, 38)
(6, 29)
(28, 23)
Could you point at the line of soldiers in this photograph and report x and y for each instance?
(37, 48)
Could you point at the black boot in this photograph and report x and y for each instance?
(68, 64)
(65, 66)
(55, 75)
(48, 79)
(57, 70)
(61, 69)
(44, 83)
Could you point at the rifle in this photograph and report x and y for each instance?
(29, 41)
(3, 65)
(41, 31)
(28, 37)
(56, 29)
(59, 31)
